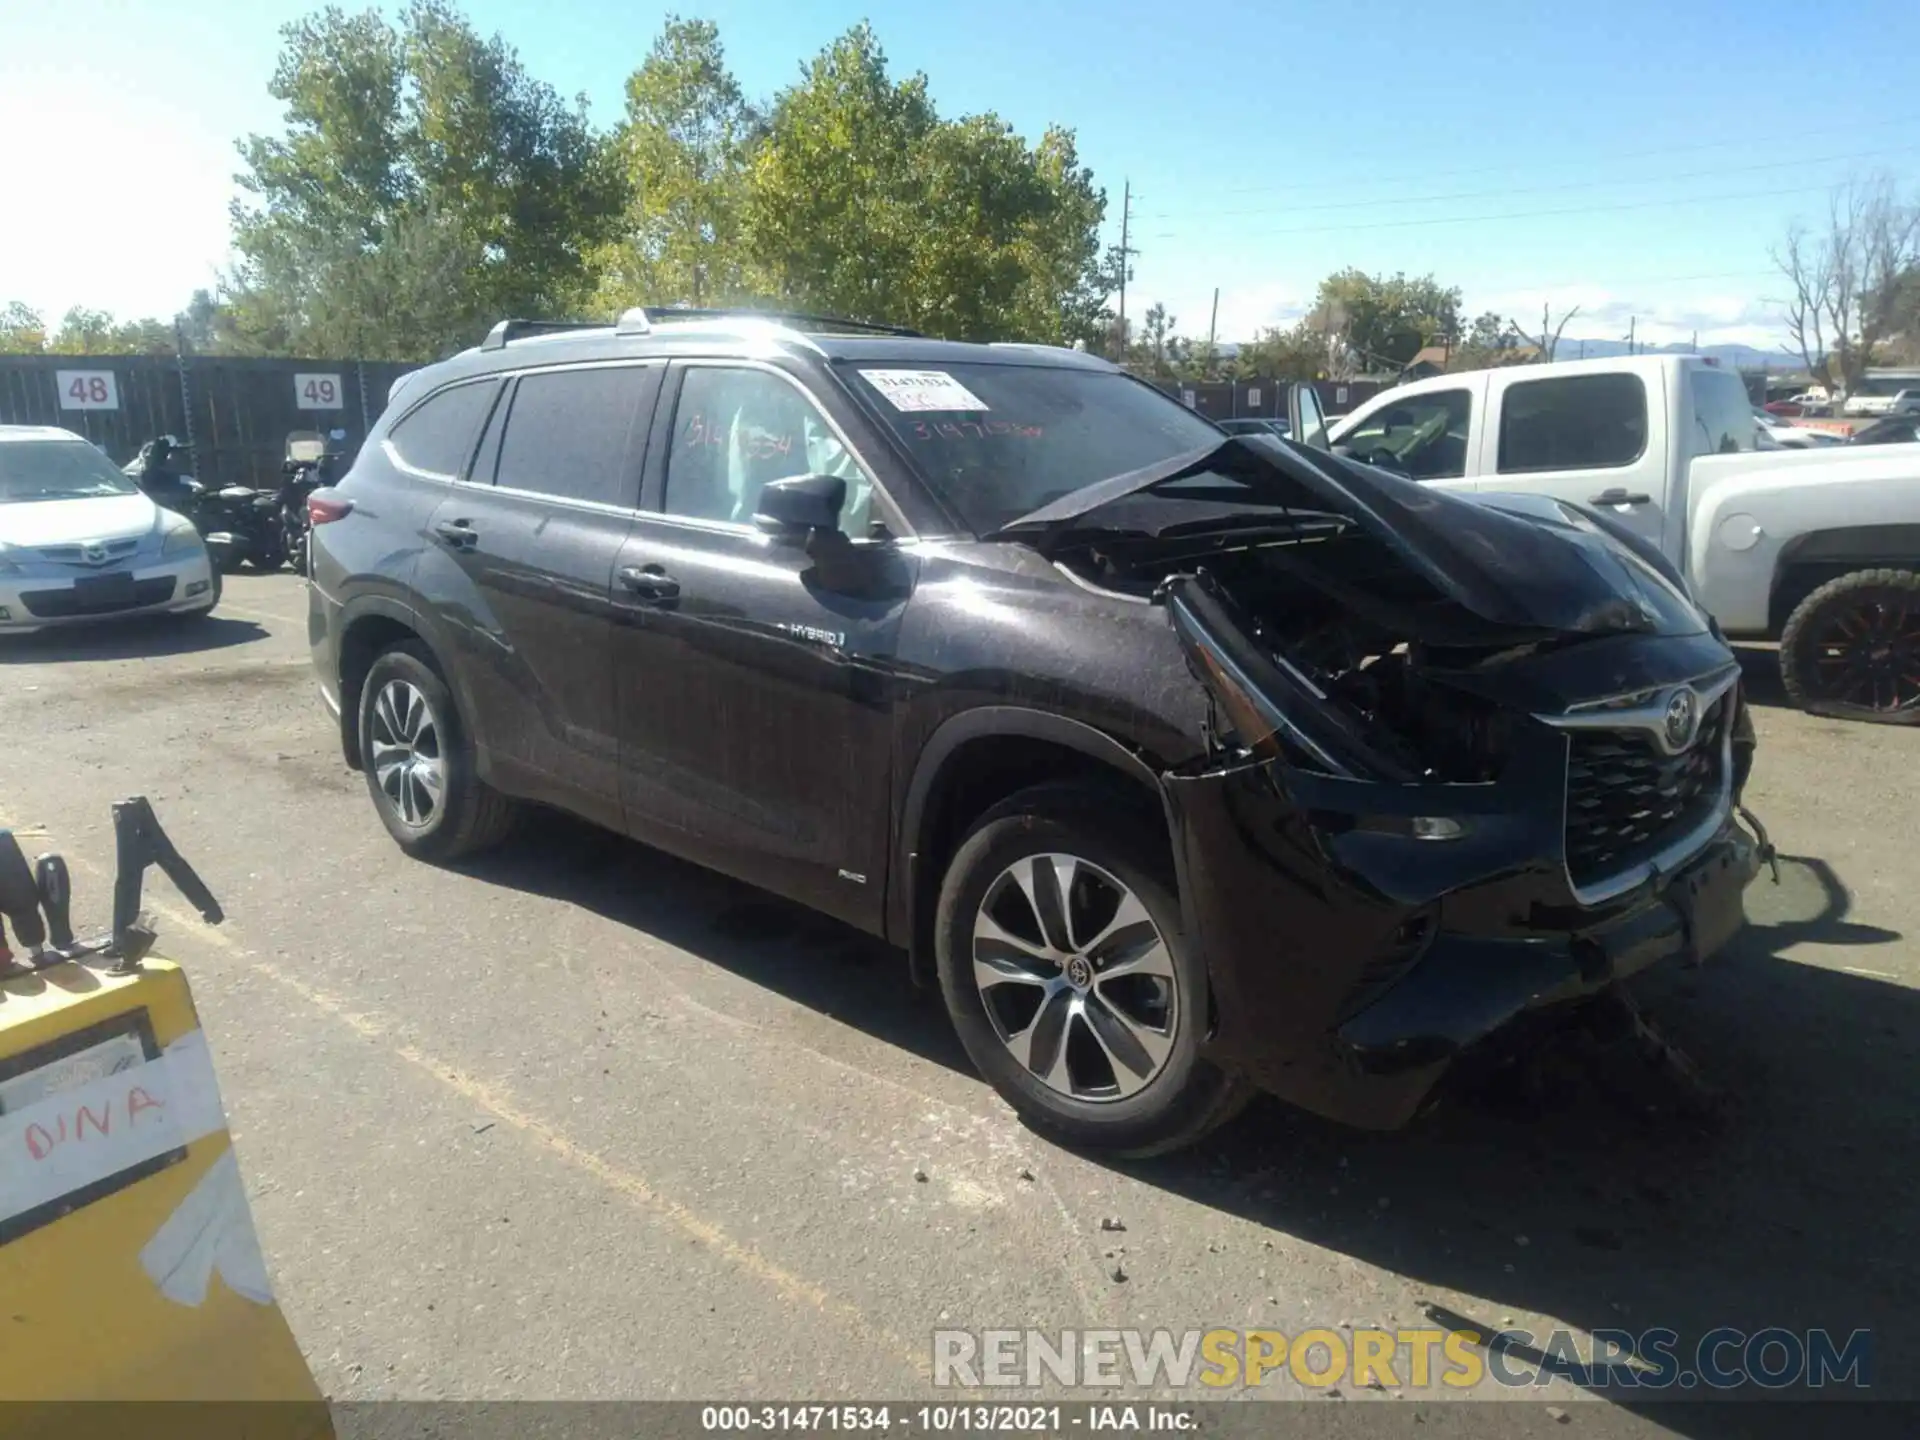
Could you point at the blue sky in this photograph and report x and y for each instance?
(1634, 158)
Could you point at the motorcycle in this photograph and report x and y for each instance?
(308, 467)
(239, 524)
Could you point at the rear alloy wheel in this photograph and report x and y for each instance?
(1851, 649)
(403, 747)
(1068, 979)
(419, 764)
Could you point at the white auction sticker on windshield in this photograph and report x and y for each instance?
(923, 390)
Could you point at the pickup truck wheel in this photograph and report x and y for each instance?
(1851, 649)
(1069, 980)
(419, 762)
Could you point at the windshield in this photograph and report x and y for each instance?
(999, 441)
(57, 470)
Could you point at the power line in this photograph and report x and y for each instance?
(1545, 189)
(1527, 214)
(1624, 155)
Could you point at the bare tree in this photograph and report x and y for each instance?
(1847, 281)
(1549, 340)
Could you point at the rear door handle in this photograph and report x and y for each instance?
(459, 534)
(649, 582)
(1618, 496)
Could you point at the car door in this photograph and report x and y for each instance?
(1428, 435)
(1585, 437)
(523, 574)
(754, 679)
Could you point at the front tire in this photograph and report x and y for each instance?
(1069, 980)
(419, 761)
(1851, 649)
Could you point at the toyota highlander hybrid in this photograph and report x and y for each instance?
(1184, 764)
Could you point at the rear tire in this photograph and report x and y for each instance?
(1093, 1038)
(419, 763)
(1851, 649)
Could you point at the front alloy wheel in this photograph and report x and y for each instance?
(1058, 942)
(405, 752)
(1075, 977)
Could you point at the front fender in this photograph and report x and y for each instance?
(905, 900)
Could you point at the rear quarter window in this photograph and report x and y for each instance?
(435, 439)
(1573, 422)
(1723, 422)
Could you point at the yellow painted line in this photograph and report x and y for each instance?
(498, 1103)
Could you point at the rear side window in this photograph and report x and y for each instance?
(1573, 422)
(567, 433)
(435, 439)
(1723, 422)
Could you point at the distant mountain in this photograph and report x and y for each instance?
(1742, 357)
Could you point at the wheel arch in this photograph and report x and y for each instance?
(1809, 561)
(373, 625)
(971, 762)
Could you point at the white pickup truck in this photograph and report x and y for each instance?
(1820, 548)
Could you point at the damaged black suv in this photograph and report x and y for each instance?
(1184, 764)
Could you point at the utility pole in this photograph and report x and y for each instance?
(1583, 349)
(1633, 322)
(1213, 320)
(1126, 215)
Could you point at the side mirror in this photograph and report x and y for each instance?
(801, 506)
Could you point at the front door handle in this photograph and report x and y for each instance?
(649, 582)
(1618, 496)
(459, 534)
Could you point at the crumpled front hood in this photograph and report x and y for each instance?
(1530, 562)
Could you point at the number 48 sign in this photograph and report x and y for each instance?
(87, 390)
(316, 392)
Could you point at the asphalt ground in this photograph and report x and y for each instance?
(579, 1121)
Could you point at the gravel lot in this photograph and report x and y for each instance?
(584, 1122)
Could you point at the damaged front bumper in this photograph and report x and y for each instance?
(1352, 961)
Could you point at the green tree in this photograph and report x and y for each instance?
(427, 141)
(683, 153)
(863, 201)
(832, 202)
(22, 330)
(1385, 321)
(1298, 352)
(1491, 340)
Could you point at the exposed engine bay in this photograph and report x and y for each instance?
(1339, 619)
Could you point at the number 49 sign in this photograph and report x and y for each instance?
(316, 392)
(87, 390)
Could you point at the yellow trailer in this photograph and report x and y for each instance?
(129, 1266)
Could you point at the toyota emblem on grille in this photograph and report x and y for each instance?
(1683, 718)
(94, 553)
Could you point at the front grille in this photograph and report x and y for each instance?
(1626, 799)
(64, 604)
(76, 554)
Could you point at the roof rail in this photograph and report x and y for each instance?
(643, 319)
(507, 330)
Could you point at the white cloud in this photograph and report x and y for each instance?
(1717, 319)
